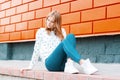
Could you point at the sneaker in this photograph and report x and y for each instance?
(88, 68)
(69, 67)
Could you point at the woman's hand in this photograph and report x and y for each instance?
(25, 69)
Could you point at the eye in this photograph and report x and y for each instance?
(50, 20)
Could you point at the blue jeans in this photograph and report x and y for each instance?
(66, 49)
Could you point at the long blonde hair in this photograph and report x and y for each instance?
(57, 24)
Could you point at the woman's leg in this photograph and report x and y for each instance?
(65, 49)
(70, 49)
(69, 46)
(56, 61)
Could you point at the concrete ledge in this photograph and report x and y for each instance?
(45, 75)
(14, 70)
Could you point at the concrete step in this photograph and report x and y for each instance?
(11, 69)
(6, 77)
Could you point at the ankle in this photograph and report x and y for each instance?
(81, 61)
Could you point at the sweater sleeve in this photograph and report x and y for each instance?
(36, 52)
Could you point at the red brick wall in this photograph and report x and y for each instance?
(20, 19)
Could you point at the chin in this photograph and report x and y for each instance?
(49, 27)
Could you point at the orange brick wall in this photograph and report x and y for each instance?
(20, 19)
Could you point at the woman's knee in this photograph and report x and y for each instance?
(70, 35)
(71, 38)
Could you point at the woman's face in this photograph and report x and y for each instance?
(50, 22)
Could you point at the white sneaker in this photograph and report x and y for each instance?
(88, 68)
(69, 67)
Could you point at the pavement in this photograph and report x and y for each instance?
(105, 69)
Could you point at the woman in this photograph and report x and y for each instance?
(57, 51)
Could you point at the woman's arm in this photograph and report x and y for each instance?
(36, 52)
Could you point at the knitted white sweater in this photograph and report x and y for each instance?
(44, 45)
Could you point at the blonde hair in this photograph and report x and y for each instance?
(57, 24)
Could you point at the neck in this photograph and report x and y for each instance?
(50, 29)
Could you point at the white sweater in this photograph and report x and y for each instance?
(44, 45)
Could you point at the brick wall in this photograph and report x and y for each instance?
(20, 19)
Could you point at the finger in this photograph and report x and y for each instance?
(22, 70)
